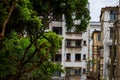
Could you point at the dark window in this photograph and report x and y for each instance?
(68, 43)
(68, 71)
(58, 58)
(78, 43)
(84, 57)
(84, 43)
(77, 71)
(57, 30)
(113, 15)
(99, 37)
(111, 32)
(84, 71)
(68, 56)
(110, 48)
(77, 57)
(57, 73)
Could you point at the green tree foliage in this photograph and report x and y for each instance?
(23, 58)
(19, 60)
(51, 9)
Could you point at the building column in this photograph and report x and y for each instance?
(63, 44)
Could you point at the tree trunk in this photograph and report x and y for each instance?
(7, 18)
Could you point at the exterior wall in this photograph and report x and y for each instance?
(92, 27)
(83, 50)
(96, 54)
(106, 41)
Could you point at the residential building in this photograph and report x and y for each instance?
(96, 36)
(93, 26)
(107, 18)
(73, 53)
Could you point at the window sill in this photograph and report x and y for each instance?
(77, 60)
(68, 60)
(84, 59)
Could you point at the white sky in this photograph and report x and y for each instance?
(96, 5)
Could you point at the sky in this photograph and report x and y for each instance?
(96, 5)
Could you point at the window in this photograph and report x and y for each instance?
(111, 32)
(77, 71)
(99, 37)
(68, 43)
(84, 43)
(68, 71)
(84, 57)
(78, 43)
(73, 71)
(57, 58)
(113, 15)
(84, 71)
(110, 52)
(77, 57)
(57, 30)
(57, 73)
(68, 56)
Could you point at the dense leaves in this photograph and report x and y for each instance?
(36, 59)
(51, 9)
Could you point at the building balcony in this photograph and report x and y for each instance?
(73, 32)
(73, 46)
(73, 35)
(56, 23)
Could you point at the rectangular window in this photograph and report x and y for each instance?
(84, 71)
(99, 37)
(57, 30)
(84, 57)
(57, 73)
(68, 71)
(77, 71)
(111, 32)
(68, 43)
(77, 57)
(84, 43)
(78, 43)
(68, 56)
(113, 15)
(57, 58)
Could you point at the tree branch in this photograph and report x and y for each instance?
(7, 18)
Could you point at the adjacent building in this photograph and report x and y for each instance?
(96, 36)
(108, 49)
(94, 42)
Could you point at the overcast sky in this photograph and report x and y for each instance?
(96, 5)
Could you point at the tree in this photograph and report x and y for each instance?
(51, 9)
(29, 57)
(20, 57)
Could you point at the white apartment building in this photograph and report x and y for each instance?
(74, 52)
(107, 18)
